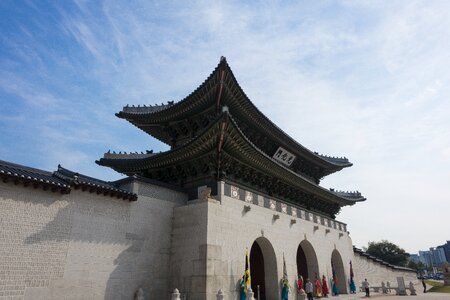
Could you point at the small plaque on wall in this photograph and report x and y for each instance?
(283, 156)
(248, 197)
(294, 212)
(235, 192)
(272, 204)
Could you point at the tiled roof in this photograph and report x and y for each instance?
(144, 109)
(85, 182)
(26, 175)
(377, 260)
(62, 180)
(236, 146)
(201, 98)
(355, 196)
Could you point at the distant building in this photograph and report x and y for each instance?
(446, 248)
(425, 258)
(437, 256)
(414, 258)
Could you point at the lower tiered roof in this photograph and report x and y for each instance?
(222, 152)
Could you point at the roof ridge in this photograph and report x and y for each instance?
(62, 179)
(297, 144)
(23, 167)
(80, 175)
(379, 260)
(333, 164)
(280, 164)
(222, 63)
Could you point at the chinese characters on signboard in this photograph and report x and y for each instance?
(283, 156)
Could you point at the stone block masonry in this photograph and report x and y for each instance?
(89, 246)
(376, 273)
(210, 237)
(84, 245)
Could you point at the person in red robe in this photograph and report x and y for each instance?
(300, 284)
(318, 287)
(324, 286)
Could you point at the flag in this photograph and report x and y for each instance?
(284, 269)
(247, 281)
(351, 271)
(352, 282)
(285, 282)
(334, 287)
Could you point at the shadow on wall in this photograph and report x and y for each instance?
(93, 247)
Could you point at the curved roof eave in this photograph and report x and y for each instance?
(285, 169)
(134, 114)
(139, 164)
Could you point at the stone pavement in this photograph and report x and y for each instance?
(420, 296)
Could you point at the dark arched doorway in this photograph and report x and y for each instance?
(263, 269)
(307, 265)
(257, 270)
(338, 266)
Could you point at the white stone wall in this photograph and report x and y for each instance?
(188, 260)
(85, 246)
(210, 238)
(232, 230)
(88, 246)
(376, 273)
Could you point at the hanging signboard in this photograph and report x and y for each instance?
(284, 156)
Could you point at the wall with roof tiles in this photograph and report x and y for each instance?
(377, 273)
(83, 245)
(87, 246)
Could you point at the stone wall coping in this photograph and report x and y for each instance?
(379, 261)
(280, 206)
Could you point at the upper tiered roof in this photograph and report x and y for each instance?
(175, 123)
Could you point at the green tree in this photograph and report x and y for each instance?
(389, 252)
(421, 266)
(416, 266)
(412, 265)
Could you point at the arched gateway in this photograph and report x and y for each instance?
(341, 281)
(307, 265)
(263, 269)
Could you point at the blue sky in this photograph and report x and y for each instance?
(366, 80)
